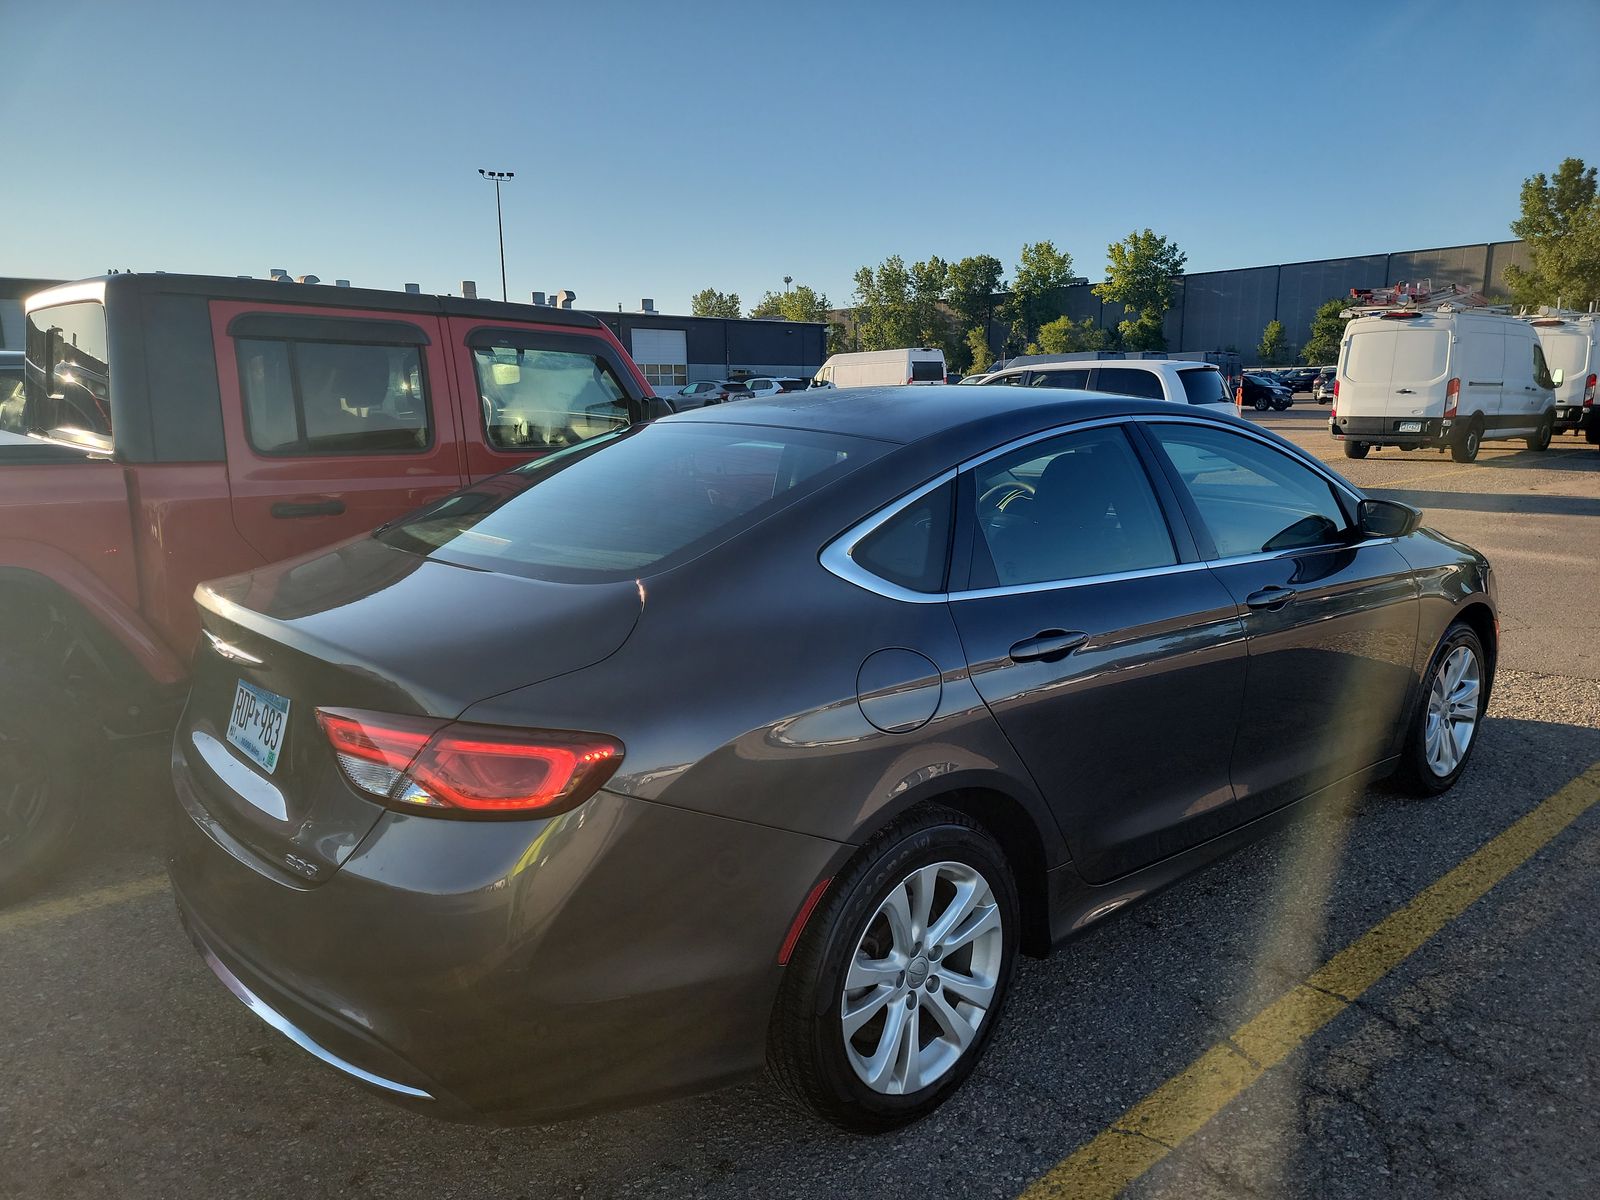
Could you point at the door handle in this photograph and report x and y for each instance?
(1402, 391)
(1270, 599)
(1050, 645)
(311, 508)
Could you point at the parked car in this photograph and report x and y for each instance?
(775, 385)
(177, 428)
(574, 826)
(1571, 344)
(1323, 391)
(878, 368)
(695, 395)
(1262, 392)
(1299, 379)
(1181, 381)
(1449, 377)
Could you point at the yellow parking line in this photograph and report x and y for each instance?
(71, 906)
(1417, 482)
(1180, 1107)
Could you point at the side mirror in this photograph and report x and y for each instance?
(1387, 518)
(1557, 376)
(656, 407)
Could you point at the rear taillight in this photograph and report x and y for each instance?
(1452, 399)
(1333, 412)
(1588, 392)
(416, 764)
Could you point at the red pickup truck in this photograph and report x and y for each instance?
(173, 429)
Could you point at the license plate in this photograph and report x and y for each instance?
(1410, 426)
(258, 723)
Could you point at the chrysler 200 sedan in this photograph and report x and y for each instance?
(770, 735)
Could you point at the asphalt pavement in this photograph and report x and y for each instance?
(1468, 1068)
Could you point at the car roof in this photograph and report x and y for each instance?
(906, 415)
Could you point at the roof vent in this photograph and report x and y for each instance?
(309, 279)
(469, 289)
(341, 283)
(566, 298)
(279, 274)
(413, 289)
(647, 305)
(538, 299)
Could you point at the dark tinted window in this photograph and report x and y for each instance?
(1204, 386)
(1541, 369)
(926, 370)
(546, 399)
(794, 385)
(1066, 508)
(1129, 381)
(304, 397)
(1253, 499)
(912, 548)
(631, 503)
(1062, 379)
(68, 376)
(1014, 380)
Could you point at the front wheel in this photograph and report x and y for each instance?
(899, 979)
(1445, 726)
(1262, 404)
(42, 777)
(1355, 449)
(1541, 439)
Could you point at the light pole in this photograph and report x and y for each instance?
(787, 280)
(499, 177)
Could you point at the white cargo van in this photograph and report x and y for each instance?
(1571, 344)
(1446, 377)
(878, 368)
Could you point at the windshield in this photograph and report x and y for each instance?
(630, 503)
(68, 377)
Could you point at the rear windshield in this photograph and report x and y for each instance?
(1565, 352)
(68, 378)
(926, 370)
(1204, 385)
(794, 385)
(629, 504)
(1406, 355)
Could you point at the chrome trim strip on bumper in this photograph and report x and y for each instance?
(298, 1036)
(239, 777)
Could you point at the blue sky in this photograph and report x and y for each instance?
(667, 146)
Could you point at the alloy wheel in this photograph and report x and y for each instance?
(922, 978)
(1453, 704)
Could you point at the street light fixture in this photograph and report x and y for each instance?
(499, 177)
(787, 280)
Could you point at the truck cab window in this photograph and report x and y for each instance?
(546, 399)
(303, 397)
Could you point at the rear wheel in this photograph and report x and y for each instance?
(1541, 439)
(1355, 449)
(900, 976)
(41, 781)
(1465, 445)
(1445, 726)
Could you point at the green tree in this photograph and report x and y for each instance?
(1327, 331)
(711, 303)
(1560, 221)
(1066, 336)
(1139, 277)
(973, 283)
(886, 315)
(979, 355)
(801, 303)
(930, 286)
(1042, 271)
(1274, 347)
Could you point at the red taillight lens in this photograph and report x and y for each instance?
(416, 764)
(1452, 399)
(1588, 392)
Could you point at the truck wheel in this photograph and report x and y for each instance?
(1355, 449)
(41, 781)
(1541, 440)
(1465, 445)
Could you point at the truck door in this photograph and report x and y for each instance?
(335, 422)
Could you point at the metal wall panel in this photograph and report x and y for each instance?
(1228, 308)
(1306, 286)
(1441, 266)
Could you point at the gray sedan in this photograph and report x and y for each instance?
(766, 737)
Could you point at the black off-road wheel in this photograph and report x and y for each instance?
(900, 977)
(1468, 441)
(42, 779)
(1355, 449)
(1541, 439)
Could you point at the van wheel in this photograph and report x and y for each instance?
(1355, 449)
(1541, 440)
(1465, 445)
(42, 779)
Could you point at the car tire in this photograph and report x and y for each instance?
(1541, 440)
(1465, 445)
(1446, 725)
(859, 1075)
(1355, 449)
(1261, 403)
(42, 779)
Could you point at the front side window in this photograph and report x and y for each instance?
(546, 399)
(1252, 498)
(312, 397)
(1541, 369)
(1070, 507)
(67, 373)
(1129, 381)
(11, 403)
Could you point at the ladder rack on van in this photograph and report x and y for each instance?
(1417, 297)
(1547, 314)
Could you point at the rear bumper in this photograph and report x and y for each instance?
(1571, 416)
(1386, 430)
(511, 972)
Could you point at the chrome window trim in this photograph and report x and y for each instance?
(837, 558)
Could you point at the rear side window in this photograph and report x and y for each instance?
(793, 385)
(632, 503)
(1204, 386)
(68, 374)
(1061, 379)
(312, 397)
(1129, 381)
(546, 399)
(926, 370)
(912, 548)
(11, 402)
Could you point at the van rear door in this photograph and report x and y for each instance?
(1395, 369)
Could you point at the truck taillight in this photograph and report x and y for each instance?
(1452, 399)
(455, 769)
(1588, 392)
